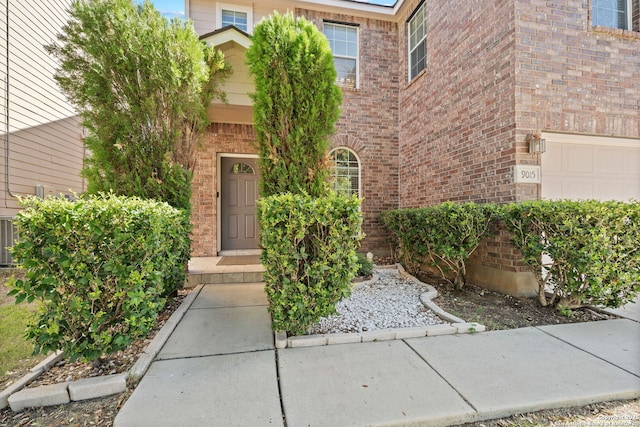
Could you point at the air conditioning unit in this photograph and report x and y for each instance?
(8, 236)
(40, 191)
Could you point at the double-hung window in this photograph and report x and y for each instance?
(343, 40)
(417, 31)
(240, 17)
(611, 13)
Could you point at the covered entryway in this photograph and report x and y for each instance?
(239, 192)
(590, 167)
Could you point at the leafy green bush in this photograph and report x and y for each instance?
(365, 267)
(101, 266)
(585, 252)
(446, 235)
(309, 253)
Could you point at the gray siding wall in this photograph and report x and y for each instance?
(40, 134)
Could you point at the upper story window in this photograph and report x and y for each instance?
(345, 173)
(239, 16)
(611, 13)
(417, 31)
(343, 40)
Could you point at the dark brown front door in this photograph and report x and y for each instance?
(238, 203)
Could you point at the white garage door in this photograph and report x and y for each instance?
(590, 167)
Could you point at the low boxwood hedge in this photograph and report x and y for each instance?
(582, 252)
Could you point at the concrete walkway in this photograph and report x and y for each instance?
(220, 368)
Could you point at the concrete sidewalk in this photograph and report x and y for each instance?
(220, 368)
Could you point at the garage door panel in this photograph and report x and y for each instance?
(632, 191)
(609, 160)
(553, 158)
(631, 164)
(608, 191)
(590, 167)
(577, 189)
(578, 158)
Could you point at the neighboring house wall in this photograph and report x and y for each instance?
(39, 131)
(41, 134)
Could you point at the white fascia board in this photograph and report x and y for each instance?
(357, 6)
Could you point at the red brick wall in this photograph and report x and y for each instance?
(457, 121)
(368, 126)
(369, 120)
(573, 78)
(220, 138)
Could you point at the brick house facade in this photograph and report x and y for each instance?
(495, 72)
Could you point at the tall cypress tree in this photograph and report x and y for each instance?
(296, 104)
(142, 85)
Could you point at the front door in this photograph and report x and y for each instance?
(239, 222)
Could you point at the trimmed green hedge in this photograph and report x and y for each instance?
(102, 266)
(584, 252)
(446, 235)
(309, 253)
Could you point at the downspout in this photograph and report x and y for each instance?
(7, 110)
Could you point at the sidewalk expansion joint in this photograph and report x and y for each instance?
(200, 356)
(443, 378)
(284, 415)
(588, 352)
(226, 307)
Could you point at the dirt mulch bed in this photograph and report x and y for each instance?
(498, 311)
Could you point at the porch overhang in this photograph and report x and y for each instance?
(234, 43)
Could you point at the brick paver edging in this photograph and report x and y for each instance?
(455, 325)
(19, 398)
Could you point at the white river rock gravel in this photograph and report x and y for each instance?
(391, 302)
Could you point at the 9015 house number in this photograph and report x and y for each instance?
(525, 174)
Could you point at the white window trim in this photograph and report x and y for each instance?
(409, 78)
(359, 165)
(629, 15)
(357, 58)
(236, 8)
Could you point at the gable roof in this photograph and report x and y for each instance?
(228, 34)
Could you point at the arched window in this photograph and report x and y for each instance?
(242, 168)
(345, 174)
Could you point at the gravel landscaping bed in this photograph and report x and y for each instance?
(389, 302)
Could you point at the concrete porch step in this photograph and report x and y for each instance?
(207, 271)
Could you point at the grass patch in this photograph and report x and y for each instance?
(15, 350)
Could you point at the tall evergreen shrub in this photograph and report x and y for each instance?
(142, 85)
(309, 234)
(296, 104)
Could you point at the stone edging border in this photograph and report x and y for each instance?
(19, 398)
(455, 325)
